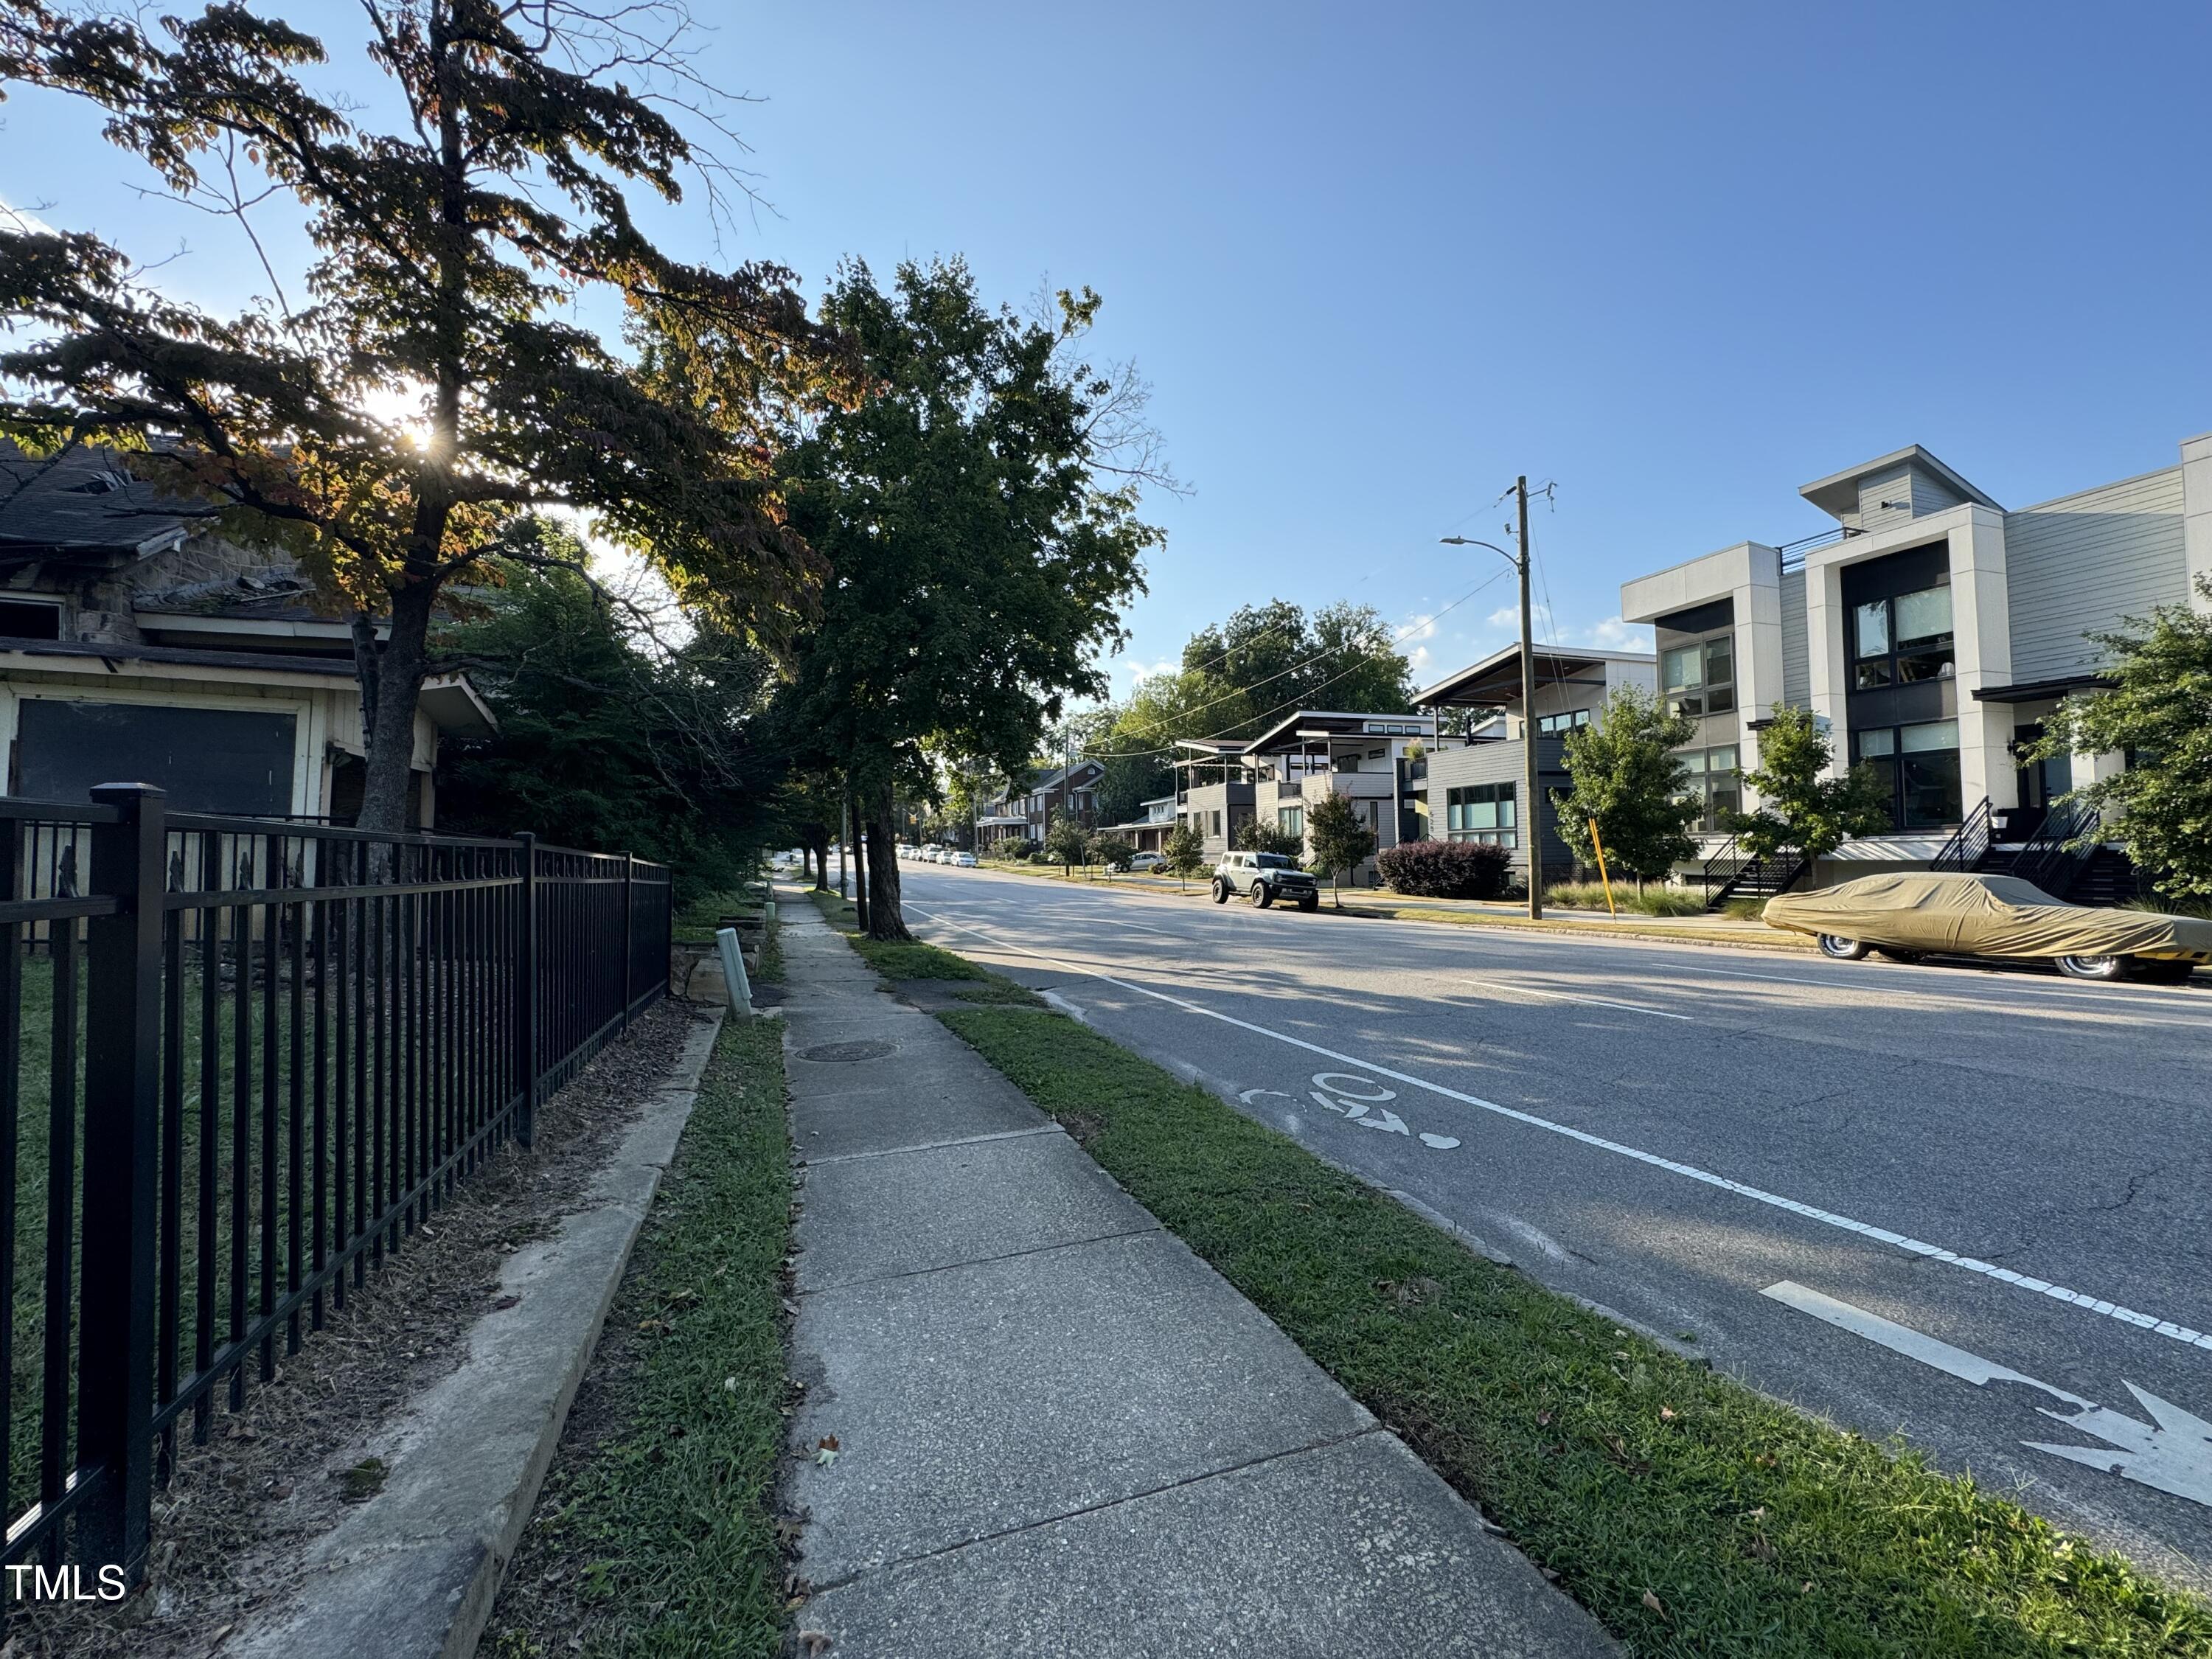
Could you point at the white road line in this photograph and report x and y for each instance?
(1902, 1338)
(2109, 1309)
(1562, 996)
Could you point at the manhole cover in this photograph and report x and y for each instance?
(847, 1051)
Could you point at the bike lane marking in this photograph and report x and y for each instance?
(2170, 1329)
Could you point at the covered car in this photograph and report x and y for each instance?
(1931, 914)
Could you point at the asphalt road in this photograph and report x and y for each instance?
(1971, 1207)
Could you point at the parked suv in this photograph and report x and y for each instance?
(1263, 878)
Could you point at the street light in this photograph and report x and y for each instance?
(1531, 819)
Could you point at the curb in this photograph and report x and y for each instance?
(1573, 926)
(413, 1572)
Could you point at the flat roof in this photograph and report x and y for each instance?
(1340, 722)
(1496, 680)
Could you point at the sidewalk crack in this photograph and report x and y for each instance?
(1323, 1445)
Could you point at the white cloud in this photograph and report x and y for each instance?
(1614, 634)
(1139, 672)
(1420, 659)
(22, 222)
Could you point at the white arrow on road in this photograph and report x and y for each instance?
(2172, 1453)
(2176, 1456)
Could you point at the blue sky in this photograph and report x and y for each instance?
(1377, 260)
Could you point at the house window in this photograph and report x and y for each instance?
(30, 619)
(1902, 639)
(1552, 724)
(1920, 764)
(1700, 679)
(1714, 784)
(1291, 820)
(1349, 763)
(1481, 812)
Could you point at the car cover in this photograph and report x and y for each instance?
(1983, 916)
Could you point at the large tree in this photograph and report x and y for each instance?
(980, 509)
(1627, 778)
(425, 380)
(2159, 712)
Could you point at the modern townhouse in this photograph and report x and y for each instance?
(1933, 631)
(1472, 789)
(1371, 759)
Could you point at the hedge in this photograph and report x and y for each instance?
(1446, 869)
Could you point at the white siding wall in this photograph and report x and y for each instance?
(2083, 564)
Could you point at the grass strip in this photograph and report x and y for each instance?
(656, 1531)
(1691, 1514)
(894, 959)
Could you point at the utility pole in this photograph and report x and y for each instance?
(1527, 821)
(844, 829)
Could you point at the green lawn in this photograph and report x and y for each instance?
(656, 1531)
(892, 959)
(1690, 1514)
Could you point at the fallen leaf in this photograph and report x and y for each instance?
(1666, 1414)
(814, 1642)
(1651, 1601)
(1543, 1420)
(729, 1385)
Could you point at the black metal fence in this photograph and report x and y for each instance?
(241, 1061)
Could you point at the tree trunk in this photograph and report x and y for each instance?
(860, 907)
(884, 920)
(817, 842)
(391, 686)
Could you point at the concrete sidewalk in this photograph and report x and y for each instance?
(1056, 1430)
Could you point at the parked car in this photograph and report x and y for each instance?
(965, 860)
(1263, 878)
(1145, 861)
(1907, 917)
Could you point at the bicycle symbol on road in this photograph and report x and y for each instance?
(1359, 1100)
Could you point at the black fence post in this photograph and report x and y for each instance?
(526, 984)
(122, 1085)
(629, 923)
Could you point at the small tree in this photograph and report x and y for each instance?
(1111, 851)
(1627, 777)
(1185, 852)
(1258, 836)
(1341, 841)
(2159, 710)
(1066, 843)
(1802, 810)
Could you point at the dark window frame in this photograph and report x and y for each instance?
(1710, 694)
(1502, 798)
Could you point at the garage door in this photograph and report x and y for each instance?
(210, 760)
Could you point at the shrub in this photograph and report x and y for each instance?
(1445, 869)
(1013, 850)
(1669, 901)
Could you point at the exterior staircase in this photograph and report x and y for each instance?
(1733, 873)
(2054, 857)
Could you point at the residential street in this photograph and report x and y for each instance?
(1971, 1207)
